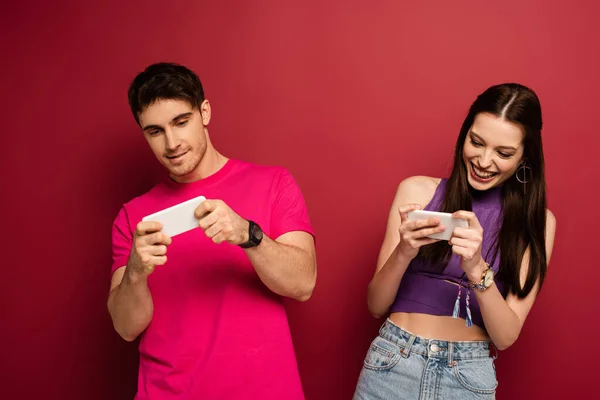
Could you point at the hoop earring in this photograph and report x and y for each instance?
(525, 174)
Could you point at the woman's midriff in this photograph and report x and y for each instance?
(438, 327)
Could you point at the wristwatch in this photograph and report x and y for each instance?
(487, 278)
(255, 235)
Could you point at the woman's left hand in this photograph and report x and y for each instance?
(466, 242)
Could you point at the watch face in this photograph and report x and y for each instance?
(488, 278)
(257, 232)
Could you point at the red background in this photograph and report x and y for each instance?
(351, 96)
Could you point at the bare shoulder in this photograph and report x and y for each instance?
(550, 219)
(550, 226)
(417, 189)
(550, 234)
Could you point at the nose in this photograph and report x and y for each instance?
(171, 140)
(485, 160)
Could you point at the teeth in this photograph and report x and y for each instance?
(481, 174)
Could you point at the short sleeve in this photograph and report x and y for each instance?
(122, 238)
(289, 208)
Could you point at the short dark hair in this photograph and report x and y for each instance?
(164, 81)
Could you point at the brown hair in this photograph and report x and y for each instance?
(164, 81)
(524, 221)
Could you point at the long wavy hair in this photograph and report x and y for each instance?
(524, 211)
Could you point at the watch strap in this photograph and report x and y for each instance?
(480, 285)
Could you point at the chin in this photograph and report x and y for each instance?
(181, 172)
(482, 185)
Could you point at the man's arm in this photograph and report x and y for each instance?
(129, 304)
(129, 301)
(286, 265)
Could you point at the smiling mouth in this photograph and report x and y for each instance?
(481, 174)
(175, 157)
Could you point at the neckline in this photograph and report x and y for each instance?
(224, 170)
(486, 196)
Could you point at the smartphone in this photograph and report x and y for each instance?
(178, 218)
(445, 219)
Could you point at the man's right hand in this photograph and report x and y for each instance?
(149, 249)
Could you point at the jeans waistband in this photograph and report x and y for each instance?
(434, 348)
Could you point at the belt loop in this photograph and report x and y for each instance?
(385, 327)
(382, 327)
(450, 353)
(406, 350)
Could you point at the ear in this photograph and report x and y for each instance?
(205, 112)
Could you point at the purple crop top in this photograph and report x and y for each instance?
(422, 290)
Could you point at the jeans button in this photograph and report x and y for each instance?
(434, 347)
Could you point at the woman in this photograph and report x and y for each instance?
(451, 302)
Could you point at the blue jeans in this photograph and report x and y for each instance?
(400, 365)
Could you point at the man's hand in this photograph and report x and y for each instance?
(221, 223)
(149, 249)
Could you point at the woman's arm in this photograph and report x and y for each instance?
(504, 319)
(401, 242)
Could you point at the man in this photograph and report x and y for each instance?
(208, 303)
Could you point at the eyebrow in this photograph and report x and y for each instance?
(173, 121)
(499, 147)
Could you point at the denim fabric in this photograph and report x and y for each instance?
(400, 365)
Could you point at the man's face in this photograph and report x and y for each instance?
(176, 134)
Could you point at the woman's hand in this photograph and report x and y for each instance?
(413, 234)
(466, 242)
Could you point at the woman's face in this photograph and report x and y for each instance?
(492, 151)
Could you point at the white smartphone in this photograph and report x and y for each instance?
(178, 218)
(445, 219)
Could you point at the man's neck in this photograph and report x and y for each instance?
(211, 162)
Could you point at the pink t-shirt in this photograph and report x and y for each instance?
(217, 331)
